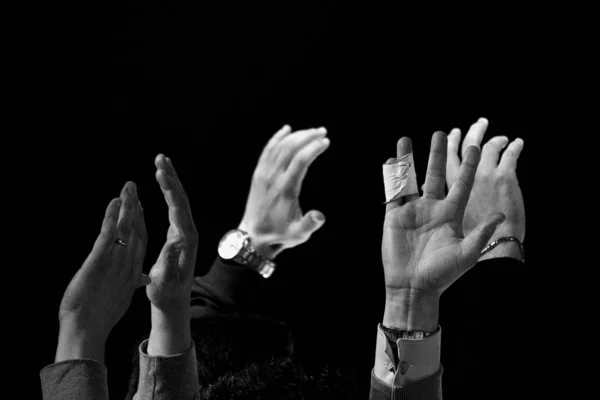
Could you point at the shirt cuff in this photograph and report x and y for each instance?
(168, 377)
(427, 388)
(82, 378)
(417, 359)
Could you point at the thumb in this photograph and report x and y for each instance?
(310, 223)
(452, 159)
(166, 266)
(475, 241)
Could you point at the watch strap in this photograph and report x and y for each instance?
(395, 333)
(249, 256)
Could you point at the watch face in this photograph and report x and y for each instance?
(231, 244)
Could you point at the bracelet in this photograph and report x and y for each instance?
(400, 334)
(502, 240)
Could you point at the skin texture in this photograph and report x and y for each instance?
(273, 217)
(424, 249)
(101, 291)
(496, 187)
(172, 274)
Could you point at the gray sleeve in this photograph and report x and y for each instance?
(80, 379)
(167, 377)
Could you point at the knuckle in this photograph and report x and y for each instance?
(302, 161)
(490, 145)
(259, 175)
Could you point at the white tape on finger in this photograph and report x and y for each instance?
(399, 178)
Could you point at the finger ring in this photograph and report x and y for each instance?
(121, 242)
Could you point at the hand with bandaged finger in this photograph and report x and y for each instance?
(273, 218)
(496, 187)
(424, 248)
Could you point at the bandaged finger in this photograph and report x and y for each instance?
(399, 178)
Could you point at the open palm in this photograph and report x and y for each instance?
(423, 246)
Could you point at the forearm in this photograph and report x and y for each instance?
(170, 333)
(74, 343)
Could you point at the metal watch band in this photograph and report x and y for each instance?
(251, 258)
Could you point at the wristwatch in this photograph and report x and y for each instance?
(236, 246)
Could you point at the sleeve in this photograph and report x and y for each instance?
(79, 379)
(417, 373)
(227, 287)
(167, 377)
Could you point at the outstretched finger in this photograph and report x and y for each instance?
(491, 152)
(294, 175)
(111, 217)
(127, 213)
(180, 213)
(403, 147)
(461, 188)
(108, 232)
(452, 158)
(475, 134)
(511, 155)
(275, 139)
(288, 147)
(435, 180)
(142, 240)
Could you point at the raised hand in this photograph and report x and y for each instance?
(496, 187)
(273, 217)
(101, 291)
(423, 249)
(172, 274)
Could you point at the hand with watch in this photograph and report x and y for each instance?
(273, 220)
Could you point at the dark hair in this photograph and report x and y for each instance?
(245, 356)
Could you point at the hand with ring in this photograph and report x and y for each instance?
(101, 291)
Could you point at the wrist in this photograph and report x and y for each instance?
(170, 333)
(259, 242)
(411, 310)
(178, 318)
(74, 343)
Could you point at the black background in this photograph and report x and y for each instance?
(207, 85)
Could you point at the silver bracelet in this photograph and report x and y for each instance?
(502, 240)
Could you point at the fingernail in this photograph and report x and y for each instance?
(169, 161)
(319, 217)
